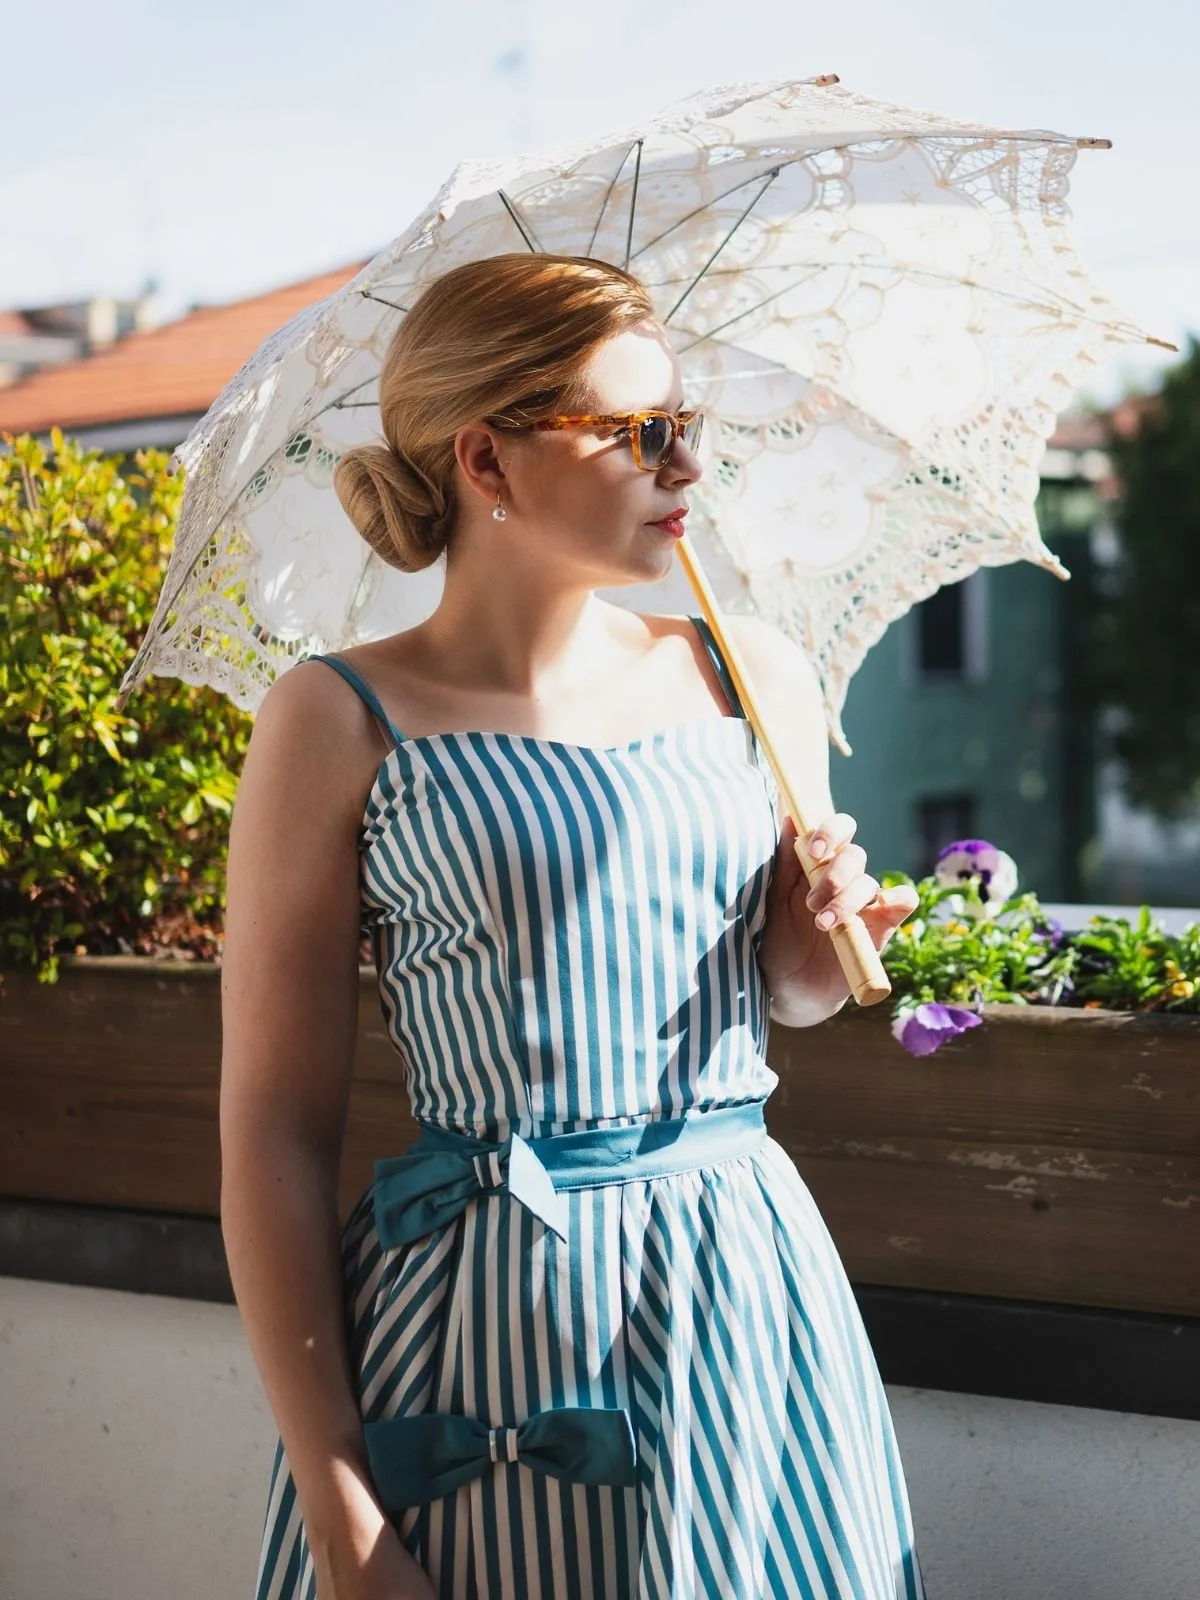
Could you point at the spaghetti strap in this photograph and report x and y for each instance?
(364, 692)
(709, 641)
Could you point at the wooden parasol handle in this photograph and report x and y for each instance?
(856, 954)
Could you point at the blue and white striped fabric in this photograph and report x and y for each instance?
(566, 939)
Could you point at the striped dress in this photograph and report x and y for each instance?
(566, 941)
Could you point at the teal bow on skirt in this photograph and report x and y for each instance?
(416, 1459)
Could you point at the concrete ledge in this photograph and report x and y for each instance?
(93, 1247)
(1125, 1361)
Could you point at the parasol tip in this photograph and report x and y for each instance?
(1163, 344)
(825, 79)
(132, 680)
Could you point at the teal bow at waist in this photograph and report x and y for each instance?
(420, 1458)
(444, 1171)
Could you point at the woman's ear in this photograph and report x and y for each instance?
(477, 449)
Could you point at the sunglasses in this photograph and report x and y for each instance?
(652, 434)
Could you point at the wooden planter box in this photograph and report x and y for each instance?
(1050, 1155)
(109, 1086)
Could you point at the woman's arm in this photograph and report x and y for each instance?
(798, 959)
(289, 1011)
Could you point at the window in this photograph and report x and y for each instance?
(949, 632)
(941, 819)
(941, 632)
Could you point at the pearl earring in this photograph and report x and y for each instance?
(498, 511)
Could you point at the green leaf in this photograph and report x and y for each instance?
(104, 733)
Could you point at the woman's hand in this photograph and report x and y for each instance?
(798, 960)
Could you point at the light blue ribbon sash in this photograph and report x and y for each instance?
(420, 1458)
(443, 1172)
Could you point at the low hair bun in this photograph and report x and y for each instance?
(401, 514)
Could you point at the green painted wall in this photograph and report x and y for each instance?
(1000, 739)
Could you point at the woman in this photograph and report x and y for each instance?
(590, 1337)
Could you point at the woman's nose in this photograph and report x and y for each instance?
(681, 466)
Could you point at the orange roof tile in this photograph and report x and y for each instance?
(15, 323)
(174, 370)
(1085, 431)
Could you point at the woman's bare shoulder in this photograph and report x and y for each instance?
(310, 703)
(313, 735)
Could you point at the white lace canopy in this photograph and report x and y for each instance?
(881, 309)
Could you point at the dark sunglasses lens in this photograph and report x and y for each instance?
(654, 441)
(691, 434)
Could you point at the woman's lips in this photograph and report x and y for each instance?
(672, 524)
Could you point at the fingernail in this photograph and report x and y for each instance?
(826, 919)
(817, 848)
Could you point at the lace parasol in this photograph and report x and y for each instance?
(881, 310)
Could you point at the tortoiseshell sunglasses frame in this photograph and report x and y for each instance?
(679, 421)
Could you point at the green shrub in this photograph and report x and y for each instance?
(112, 826)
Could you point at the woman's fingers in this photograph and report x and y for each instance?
(885, 907)
(839, 864)
(842, 888)
(894, 906)
(855, 897)
(849, 864)
(831, 835)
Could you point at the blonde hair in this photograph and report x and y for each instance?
(505, 338)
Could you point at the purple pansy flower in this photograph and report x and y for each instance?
(921, 1029)
(994, 871)
(1050, 931)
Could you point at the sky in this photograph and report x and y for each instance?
(224, 149)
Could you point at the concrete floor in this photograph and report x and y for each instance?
(137, 1443)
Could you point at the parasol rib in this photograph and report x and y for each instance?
(637, 173)
(771, 176)
(715, 201)
(1050, 307)
(728, 323)
(636, 145)
(523, 228)
(379, 300)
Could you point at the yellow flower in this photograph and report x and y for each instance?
(1184, 989)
